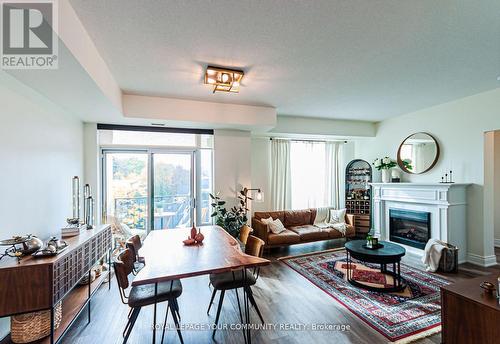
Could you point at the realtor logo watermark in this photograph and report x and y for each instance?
(29, 34)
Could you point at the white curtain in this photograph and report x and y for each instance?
(334, 173)
(316, 171)
(280, 174)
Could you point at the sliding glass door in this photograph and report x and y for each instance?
(173, 185)
(157, 188)
(126, 180)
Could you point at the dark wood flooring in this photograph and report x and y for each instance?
(284, 297)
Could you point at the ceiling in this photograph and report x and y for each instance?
(360, 60)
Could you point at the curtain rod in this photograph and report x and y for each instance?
(306, 140)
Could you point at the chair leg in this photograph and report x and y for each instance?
(176, 306)
(254, 304)
(176, 322)
(239, 306)
(165, 323)
(211, 300)
(239, 309)
(131, 323)
(221, 299)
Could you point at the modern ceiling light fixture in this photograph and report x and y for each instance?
(223, 79)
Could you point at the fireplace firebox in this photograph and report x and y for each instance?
(409, 227)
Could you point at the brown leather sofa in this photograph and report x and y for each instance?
(299, 228)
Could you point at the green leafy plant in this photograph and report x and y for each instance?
(233, 219)
(384, 163)
(407, 164)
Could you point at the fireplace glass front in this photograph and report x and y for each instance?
(409, 227)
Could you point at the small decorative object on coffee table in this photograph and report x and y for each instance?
(386, 253)
(372, 243)
(369, 241)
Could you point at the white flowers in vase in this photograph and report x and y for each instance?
(384, 163)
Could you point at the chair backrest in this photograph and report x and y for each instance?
(134, 244)
(254, 246)
(244, 233)
(123, 265)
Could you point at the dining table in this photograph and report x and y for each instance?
(167, 258)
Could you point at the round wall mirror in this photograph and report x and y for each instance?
(418, 153)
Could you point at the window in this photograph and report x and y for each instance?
(308, 175)
(152, 180)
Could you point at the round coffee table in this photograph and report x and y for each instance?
(388, 253)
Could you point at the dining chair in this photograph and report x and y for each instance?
(134, 243)
(236, 279)
(145, 295)
(243, 237)
(244, 233)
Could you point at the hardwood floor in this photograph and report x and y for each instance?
(284, 297)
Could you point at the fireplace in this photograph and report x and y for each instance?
(409, 227)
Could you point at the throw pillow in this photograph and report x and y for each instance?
(337, 215)
(276, 226)
(266, 222)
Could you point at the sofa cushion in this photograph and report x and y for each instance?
(309, 232)
(274, 214)
(284, 238)
(275, 226)
(335, 234)
(297, 217)
(337, 216)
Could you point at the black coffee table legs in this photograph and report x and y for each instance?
(399, 283)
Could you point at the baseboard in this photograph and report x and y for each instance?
(481, 260)
(497, 242)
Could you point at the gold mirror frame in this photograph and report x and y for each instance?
(436, 158)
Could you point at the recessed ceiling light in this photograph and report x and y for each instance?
(223, 79)
(498, 78)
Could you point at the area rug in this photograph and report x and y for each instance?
(401, 317)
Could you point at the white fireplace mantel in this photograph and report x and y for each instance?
(446, 203)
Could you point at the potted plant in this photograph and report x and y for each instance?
(369, 241)
(231, 220)
(385, 165)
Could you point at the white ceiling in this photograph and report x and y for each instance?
(362, 60)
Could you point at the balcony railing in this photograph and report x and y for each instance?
(169, 211)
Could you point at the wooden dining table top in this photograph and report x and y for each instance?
(167, 258)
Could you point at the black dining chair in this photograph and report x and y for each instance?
(236, 279)
(145, 295)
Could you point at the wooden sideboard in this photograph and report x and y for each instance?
(468, 315)
(36, 284)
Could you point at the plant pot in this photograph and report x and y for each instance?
(386, 176)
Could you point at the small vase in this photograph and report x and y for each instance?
(386, 176)
(199, 237)
(193, 232)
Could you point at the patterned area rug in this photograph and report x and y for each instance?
(401, 317)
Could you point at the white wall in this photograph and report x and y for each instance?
(261, 171)
(308, 126)
(92, 165)
(492, 177)
(496, 204)
(232, 163)
(459, 127)
(199, 114)
(41, 149)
